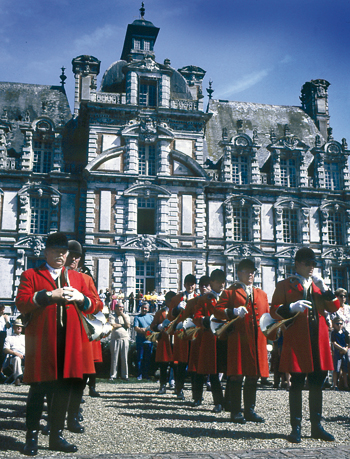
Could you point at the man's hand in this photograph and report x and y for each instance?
(300, 306)
(71, 294)
(320, 283)
(241, 311)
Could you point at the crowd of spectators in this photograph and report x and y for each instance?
(131, 317)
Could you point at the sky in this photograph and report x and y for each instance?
(259, 51)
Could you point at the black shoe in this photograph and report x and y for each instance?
(318, 432)
(162, 390)
(238, 418)
(80, 417)
(93, 392)
(31, 446)
(180, 395)
(46, 429)
(295, 435)
(253, 417)
(58, 443)
(217, 408)
(196, 403)
(74, 426)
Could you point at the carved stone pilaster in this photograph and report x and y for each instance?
(305, 225)
(163, 161)
(228, 222)
(23, 213)
(131, 156)
(324, 226)
(55, 199)
(255, 169)
(162, 213)
(256, 210)
(303, 178)
(280, 269)
(27, 151)
(132, 216)
(226, 172)
(57, 162)
(276, 168)
(279, 224)
(347, 226)
(257, 277)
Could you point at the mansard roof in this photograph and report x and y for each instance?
(260, 117)
(22, 99)
(24, 103)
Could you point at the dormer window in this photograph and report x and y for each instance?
(148, 93)
(288, 172)
(331, 176)
(147, 45)
(42, 160)
(240, 170)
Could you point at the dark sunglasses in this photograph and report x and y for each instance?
(309, 263)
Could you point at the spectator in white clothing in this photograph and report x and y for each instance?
(14, 347)
(119, 344)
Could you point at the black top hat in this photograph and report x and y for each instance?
(57, 241)
(305, 254)
(246, 264)
(75, 246)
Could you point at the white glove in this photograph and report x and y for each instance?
(72, 294)
(241, 311)
(160, 327)
(300, 306)
(319, 282)
(182, 305)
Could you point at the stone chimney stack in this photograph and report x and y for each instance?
(85, 69)
(314, 99)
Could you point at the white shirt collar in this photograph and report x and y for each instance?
(55, 272)
(304, 282)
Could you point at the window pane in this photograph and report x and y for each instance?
(339, 279)
(290, 225)
(288, 172)
(240, 220)
(42, 159)
(332, 176)
(240, 170)
(39, 216)
(335, 228)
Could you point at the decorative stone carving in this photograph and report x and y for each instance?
(148, 130)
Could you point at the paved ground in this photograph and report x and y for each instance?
(130, 421)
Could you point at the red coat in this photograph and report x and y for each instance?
(207, 359)
(164, 352)
(181, 346)
(41, 332)
(245, 356)
(296, 356)
(96, 348)
(196, 343)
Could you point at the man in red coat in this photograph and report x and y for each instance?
(246, 344)
(181, 347)
(305, 299)
(164, 352)
(54, 339)
(210, 347)
(90, 349)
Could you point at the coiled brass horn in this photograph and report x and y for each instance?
(269, 326)
(188, 330)
(218, 327)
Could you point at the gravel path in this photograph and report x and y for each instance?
(130, 418)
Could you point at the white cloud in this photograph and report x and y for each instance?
(287, 59)
(95, 39)
(246, 82)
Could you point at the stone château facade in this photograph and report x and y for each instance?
(156, 186)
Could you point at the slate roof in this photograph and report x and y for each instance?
(20, 102)
(261, 117)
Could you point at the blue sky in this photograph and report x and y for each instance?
(253, 50)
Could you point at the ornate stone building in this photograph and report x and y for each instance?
(155, 185)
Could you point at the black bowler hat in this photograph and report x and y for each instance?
(75, 247)
(305, 254)
(57, 241)
(246, 264)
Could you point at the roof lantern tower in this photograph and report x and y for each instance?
(139, 39)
